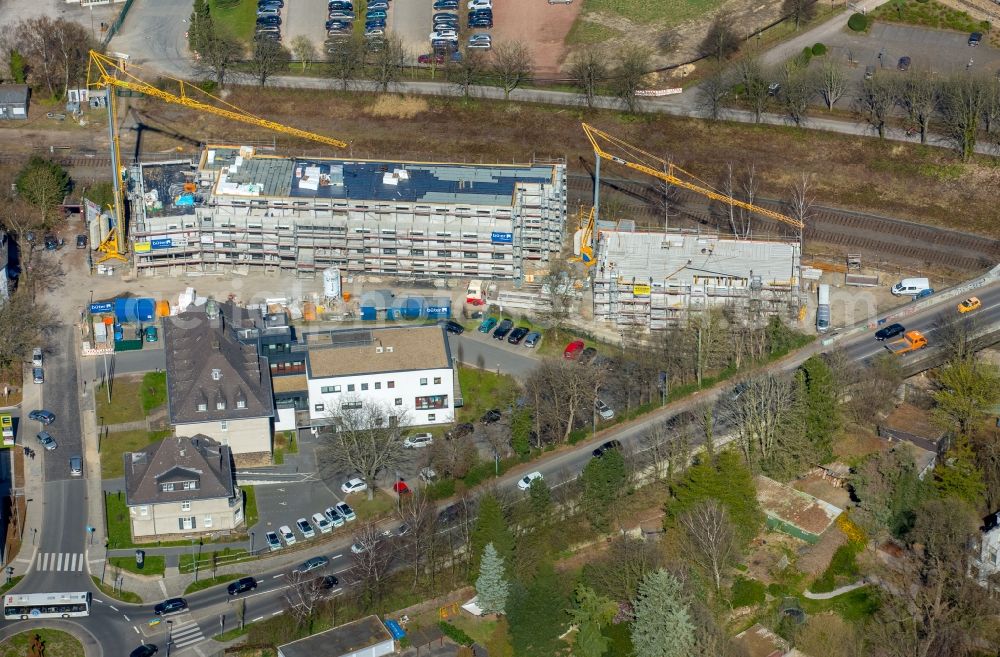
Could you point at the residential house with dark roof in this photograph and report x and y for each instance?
(217, 384)
(14, 101)
(182, 486)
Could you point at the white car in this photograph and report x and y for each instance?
(418, 440)
(286, 534)
(482, 41)
(336, 520)
(605, 411)
(359, 548)
(354, 485)
(480, 4)
(444, 35)
(322, 524)
(305, 527)
(524, 483)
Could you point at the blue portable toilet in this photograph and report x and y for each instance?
(119, 333)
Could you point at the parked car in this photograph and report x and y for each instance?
(269, 21)
(603, 410)
(75, 466)
(459, 431)
(445, 4)
(37, 375)
(242, 585)
(311, 564)
(305, 528)
(286, 535)
(346, 511)
(443, 34)
(587, 355)
(517, 335)
(480, 4)
(337, 26)
(378, 6)
(451, 325)
(170, 606)
(904, 64)
(267, 12)
(491, 416)
(975, 38)
(573, 349)
(360, 547)
(442, 15)
(334, 517)
(322, 524)
(400, 488)
(606, 447)
(340, 4)
(81, 241)
(480, 23)
(487, 324)
(145, 650)
(503, 328)
(47, 441)
(353, 485)
(532, 339)
(524, 483)
(432, 59)
(43, 416)
(150, 334)
(482, 41)
(403, 529)
(273, 542)
(890, 331)
(36, 357)
(418, 440)
(51, 243)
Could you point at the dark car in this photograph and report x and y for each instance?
(890, 331)
(261, 3)
(51, 243)
(904, 64)
(444, 15)
(338, 25)
(975, 38)
(171, 606)
(241, 585)
(449, 515)
(43, 416)
(445, 4)
(517, 335)
(481, 22)
(145, 650)
(269, 4)
(328, 582)
(503, 328)
(587, 355)
(311, 564)
(532, 339)
(267, 35)
(606, 447)
(340, 4)
(269, 21)
(459, 431)
(451, 325)
(81, 243)
(491, 416)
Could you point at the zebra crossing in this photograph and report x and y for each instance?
(59, 561)
(186, 635)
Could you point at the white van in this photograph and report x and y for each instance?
(911, 286)
(823, 309)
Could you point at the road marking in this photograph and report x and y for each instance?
(276, 613)
(337, 556)
(59, 562)
(277, 576)
(136, 630)
(127, 619)
(113, 607)
(186, 635)
(259, 618)
(60, 559)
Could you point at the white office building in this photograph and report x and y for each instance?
(406, 371)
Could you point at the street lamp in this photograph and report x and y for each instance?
(170, 634)
(251, 542)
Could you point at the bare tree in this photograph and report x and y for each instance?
(373, 552)
(761, 416)
(963, 98)
(800, 11)
(303, 596)
(365, 439)
(619, 571)
(991, 106)
(588, 70)
(24, 324)
(875, 100)
(222, 52)
(56, 50)
(469, 71)
(512, 65)
(346, 59)
(304, 50)
(453, 458)
(417, 513)
(721, 41)
(713, 92)
(796, 94)
(801, 200)
(709, 539)
(633, 65)
(387, 63)
(750, 73)
(564, 394)
(831, 83)
(919, 96)
(558, 290)
(743, 186)
(266, 59)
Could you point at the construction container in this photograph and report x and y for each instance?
(163, 308)
(128, 345)
(135, 310)
(100, 331)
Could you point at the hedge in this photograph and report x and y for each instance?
(818, 50)
(858, 22)
(456, 634)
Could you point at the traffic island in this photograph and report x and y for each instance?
(53, 643)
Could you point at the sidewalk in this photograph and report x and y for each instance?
(34, 486)
(95, 551)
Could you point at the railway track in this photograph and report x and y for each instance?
(874, 237)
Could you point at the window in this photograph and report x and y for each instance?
(238, 514)
(364, 386)
(423, 381)
(399, 401)
(390, 384)
(202, 407)
(498, 256)
(216, 374)
(444, 254)
(431, 417)
(350, 406)
(328, 389)
(437, 380)
(469, 254)
(318, 408)
(224, 425)
(190, 485)
(350, 387)
(416, 252)
(186, 523)
(241, 403)
(207, 522)
(166, 488)
(378, 385)
(430, 401)
(185, 506)
(143, 510)
(220, 405)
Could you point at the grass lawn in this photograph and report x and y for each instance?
(228, 555)
(124, 596)
(382, 505)
(153, 564)
(154, 390)
(284, 443)
(856, 605)
(126, 401)
(54, 642)
(115, 444)
(249, 506)
(234, 633)
(585, 32)
(11, 584)
(120, 529)
(928, 14)
(203, 584)
(483, 390)
(238, 17)
(671, 12)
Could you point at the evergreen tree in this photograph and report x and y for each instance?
(535, 615)
(603, 483)
(201, 28)
(491, 527)
(18, 67)
(492, 587)
(822, 410)
(540, 501)
(521, 423)
(959, 476)
(662, 625)
(591, 613)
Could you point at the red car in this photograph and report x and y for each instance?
(573, 350)
(400, 487)
(430, 59)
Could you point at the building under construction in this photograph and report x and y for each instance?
(240, 210)
(655, 280)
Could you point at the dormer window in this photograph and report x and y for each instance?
(216, 374)
(220, 405)
(203, 407)
(241, 403)
(168, 487)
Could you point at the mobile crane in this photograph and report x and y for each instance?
(109, 73)
(636, 159)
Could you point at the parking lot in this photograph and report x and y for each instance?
(305, 18)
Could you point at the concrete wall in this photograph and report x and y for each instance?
(248, 436)
(218, 514)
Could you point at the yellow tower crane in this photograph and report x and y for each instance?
(110, 73)
(637, 159)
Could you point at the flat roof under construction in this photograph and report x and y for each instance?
(670, 256)
(259, 175)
